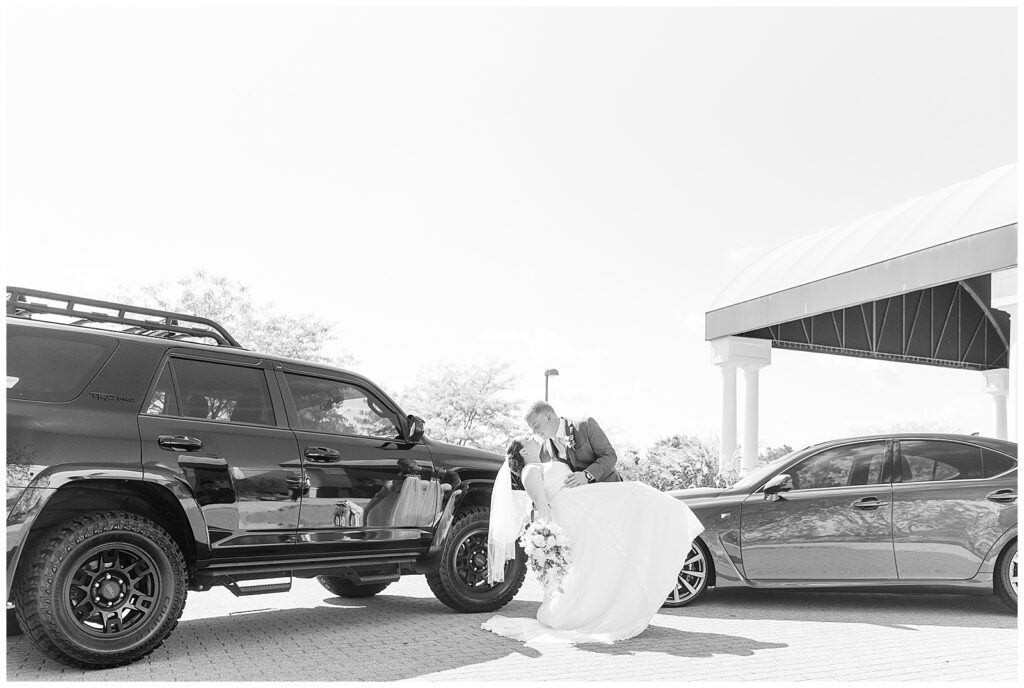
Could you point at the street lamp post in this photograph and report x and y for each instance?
(548, 373)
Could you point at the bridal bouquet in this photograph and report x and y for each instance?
(549, 552)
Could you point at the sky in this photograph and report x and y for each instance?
(546, 187)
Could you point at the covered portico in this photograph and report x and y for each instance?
(931, 281)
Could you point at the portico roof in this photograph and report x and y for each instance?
(933, 253)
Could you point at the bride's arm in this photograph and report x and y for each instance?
(533, 481)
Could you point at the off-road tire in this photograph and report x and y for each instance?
(109, 557)
(1005, 567)
(343, 587)
(461, 581)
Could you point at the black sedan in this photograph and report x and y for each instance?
(894, 512)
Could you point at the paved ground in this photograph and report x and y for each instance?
(404, 633)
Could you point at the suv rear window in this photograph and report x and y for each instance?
(54, 367)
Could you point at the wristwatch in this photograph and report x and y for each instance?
(590, 478)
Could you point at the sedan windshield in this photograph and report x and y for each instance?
(762, 472)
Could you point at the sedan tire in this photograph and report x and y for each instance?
(1005, 583)
(693, 579)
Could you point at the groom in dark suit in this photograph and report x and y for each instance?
(582, 444)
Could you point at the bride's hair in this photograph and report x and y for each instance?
(514, 456)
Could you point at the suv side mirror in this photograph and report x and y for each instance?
(416, 426)
(780, 483)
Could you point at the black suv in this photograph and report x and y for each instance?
(143, 463)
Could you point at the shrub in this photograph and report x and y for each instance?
(677, 462)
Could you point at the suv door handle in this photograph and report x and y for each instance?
(179, 443)
(868, 503)
(202, 462)
(1003, 496)
(322, 454)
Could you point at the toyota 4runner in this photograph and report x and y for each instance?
(149, 455)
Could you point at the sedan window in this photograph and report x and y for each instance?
(996, 463)
(858, 464)
(761, 472)
(932, 460)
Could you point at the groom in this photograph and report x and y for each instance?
(582, 444)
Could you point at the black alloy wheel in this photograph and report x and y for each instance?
(102, 590)
(461, 582)
(693, 578)
(112, 589)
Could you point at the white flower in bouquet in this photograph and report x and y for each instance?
(549, 552)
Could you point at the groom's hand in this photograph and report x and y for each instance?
(576, 479)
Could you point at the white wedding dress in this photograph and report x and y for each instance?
(629, 543)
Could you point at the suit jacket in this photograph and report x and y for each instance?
(591, 451)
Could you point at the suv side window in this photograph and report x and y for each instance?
(859, 464)
(54, 366)
(163, 402)
(341, 408)
(931, 460)
(214, 391)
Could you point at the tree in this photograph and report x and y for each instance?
(301, 336)
(772, 453)
(678, 462)
(467, 405)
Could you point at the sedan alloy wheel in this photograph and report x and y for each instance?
(692, 580)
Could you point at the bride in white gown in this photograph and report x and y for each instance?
(629, 542)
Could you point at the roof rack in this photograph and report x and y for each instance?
(149, 322)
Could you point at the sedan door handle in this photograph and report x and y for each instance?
(322, 454)
(868, 503)
(179, 443)
(1003, 496)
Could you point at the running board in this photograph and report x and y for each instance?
(261, 588)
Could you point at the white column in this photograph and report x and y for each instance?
(728, 447)
(1004, 297)
(750, 418)
(997, 384)
(731, 353)
(1014, 373)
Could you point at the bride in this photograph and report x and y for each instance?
(629, 542)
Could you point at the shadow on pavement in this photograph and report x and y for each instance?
(882, 609)
(385, 638)
(671, 641)
(392, 637)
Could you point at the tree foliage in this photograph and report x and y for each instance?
(229, 303)
(772, 453)
(677, 462)
(467, 405)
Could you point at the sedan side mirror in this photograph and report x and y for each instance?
(780, 483)
(416, 426)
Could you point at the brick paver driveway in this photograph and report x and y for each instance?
(404, 633)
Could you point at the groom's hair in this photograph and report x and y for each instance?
(539, 407)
